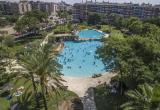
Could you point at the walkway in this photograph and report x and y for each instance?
(60, 47)
(62, 35)
(45, 41)
(88, 100)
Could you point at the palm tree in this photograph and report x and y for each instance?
(5, 56)
(48, 71)
(143, 98)
(27, 61)
(3, 63)
(41, 62)
(25, 101)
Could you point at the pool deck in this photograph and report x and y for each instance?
(80, 85)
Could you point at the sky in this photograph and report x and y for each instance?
(118, 1)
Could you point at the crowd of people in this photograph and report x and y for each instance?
(81, 54)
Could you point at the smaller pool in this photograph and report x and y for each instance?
(90, 33)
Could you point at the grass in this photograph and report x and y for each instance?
(18, 46)
(108, 28)
(4, 104)
(60, 29)
(106, 101)
(83, 26)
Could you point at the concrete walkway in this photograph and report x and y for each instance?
(45, 41)
(88, 100)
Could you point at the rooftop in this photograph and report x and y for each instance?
(117, 4)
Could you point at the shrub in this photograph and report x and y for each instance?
(9, 41)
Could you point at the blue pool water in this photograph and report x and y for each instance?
(90, 34)
(79, 58)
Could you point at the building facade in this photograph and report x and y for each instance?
(24, 6)
(8, 8)
(63, 6)
(48, 7)
(142, 11)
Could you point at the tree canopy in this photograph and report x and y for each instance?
(136, 55)
(30, 20)
(94, 18)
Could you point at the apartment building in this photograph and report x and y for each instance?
(143, 11)
(24, 6)
(63, 6)
(48, 7)
(8, 8)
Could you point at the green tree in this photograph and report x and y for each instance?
(4, 77)
(25, 101)
(47, 68)
(41, 16)
(63, 14)
(12, 18)
(135, 57)
(8, 41)
(151, 30)
(143, 98)
(4, 62)
(26, 61)
(135, 25)
(154, 20)
(31, 20)
(94, 18)
(41, 62)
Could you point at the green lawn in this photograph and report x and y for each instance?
(18, 46)
(4, 104)
(62, 29)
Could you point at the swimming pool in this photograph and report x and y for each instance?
(79, 58)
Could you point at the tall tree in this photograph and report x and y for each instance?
(4, 77)
(31, 20)
(94, 18)
(26, 61)
(41, 62)
(4, 61)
